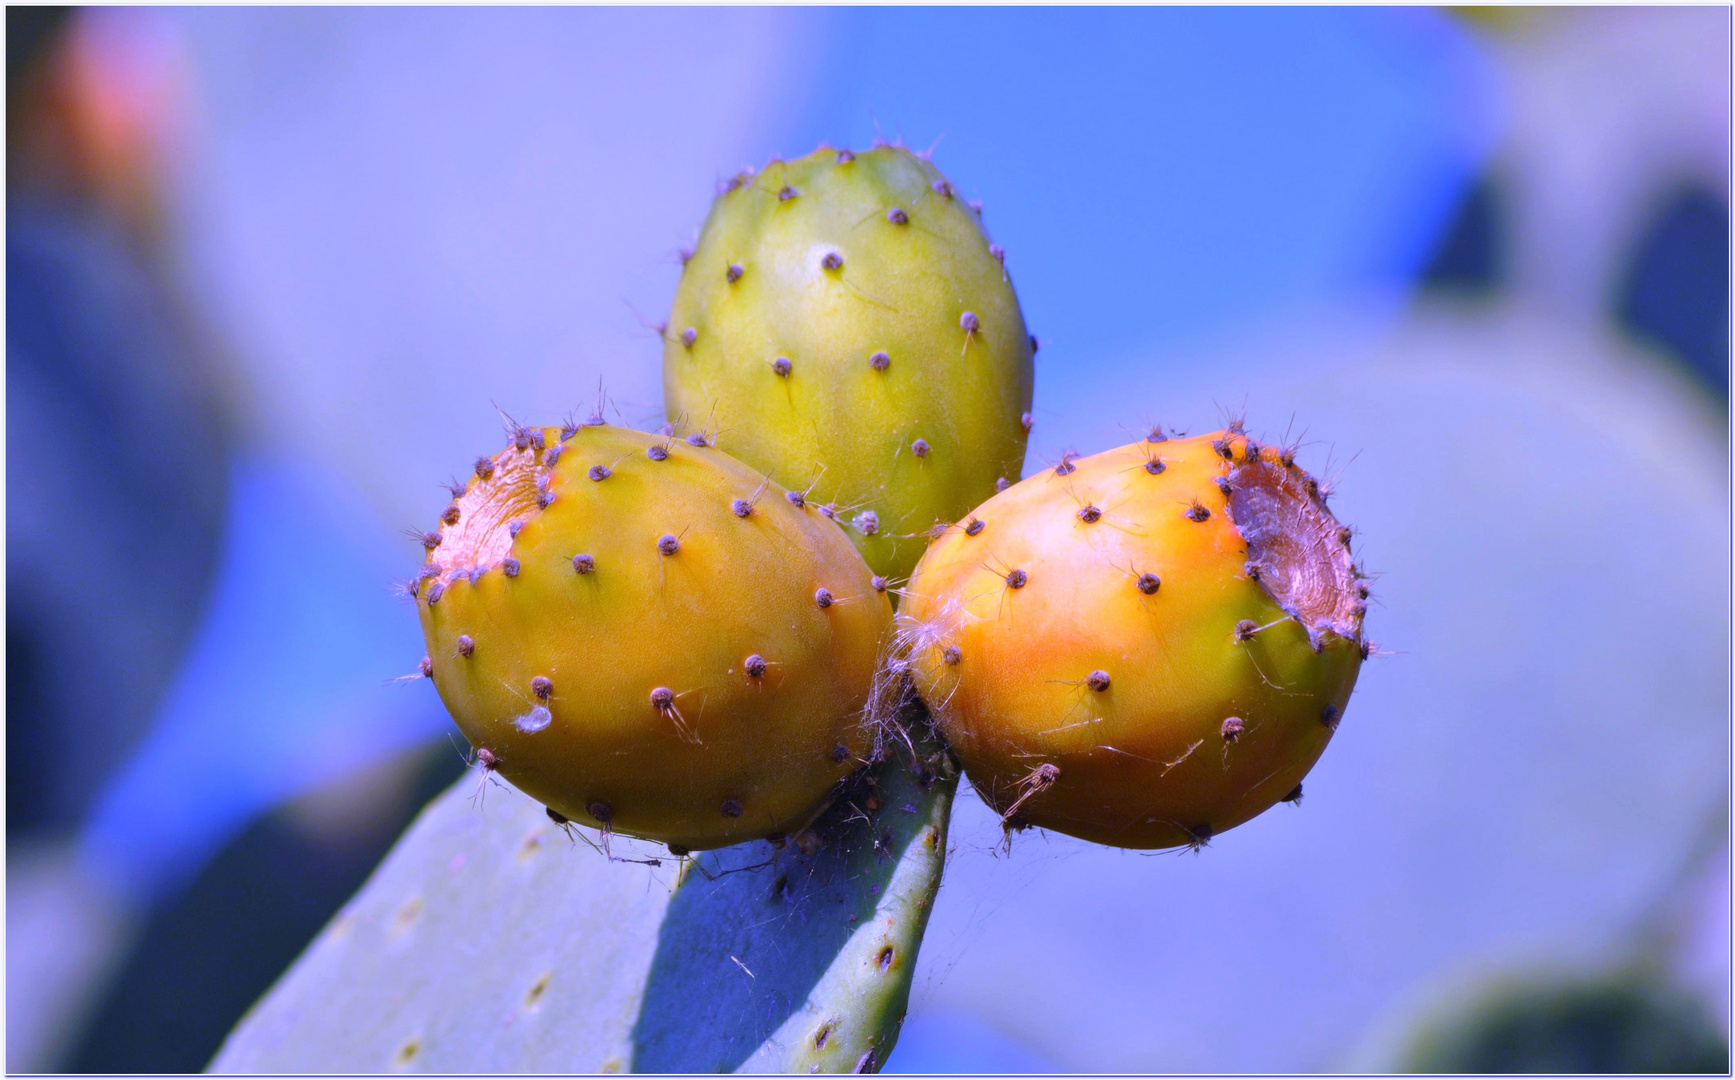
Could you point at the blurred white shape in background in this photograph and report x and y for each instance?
(405, 213)
(1610, 108)
(65, 936)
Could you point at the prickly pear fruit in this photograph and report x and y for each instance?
(1145, 647)
(845, 324)
(647, 636)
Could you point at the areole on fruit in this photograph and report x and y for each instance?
(1145, 649)
(630, 649)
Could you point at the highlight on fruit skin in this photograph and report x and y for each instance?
(1143, 648)
(624, 625)
(846, 325)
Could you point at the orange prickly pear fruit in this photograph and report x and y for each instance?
(1145, 647)
(649, 637)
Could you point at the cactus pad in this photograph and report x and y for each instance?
(645, 635)
(1145, 647)
(845, 326)
(490, 941)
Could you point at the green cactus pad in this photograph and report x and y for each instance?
(490, 941)
(844, 325)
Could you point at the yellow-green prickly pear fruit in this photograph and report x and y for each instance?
(1145, 647)
(648, 636)
(845, 325)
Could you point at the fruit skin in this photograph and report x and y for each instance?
(1146, 757)
(801, 277)
(623, 696)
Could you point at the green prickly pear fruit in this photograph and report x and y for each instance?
(844, 322)
(648, 636)
(1145, 647)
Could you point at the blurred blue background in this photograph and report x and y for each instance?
(290, 261)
